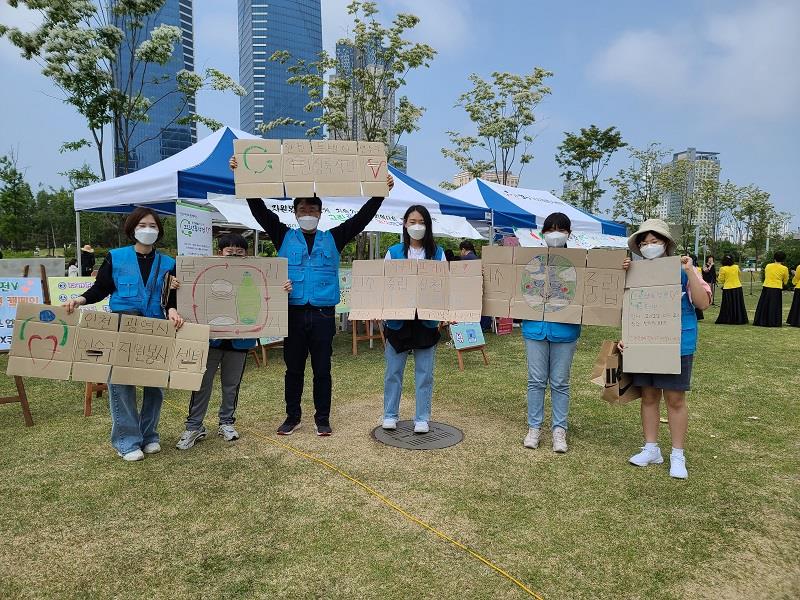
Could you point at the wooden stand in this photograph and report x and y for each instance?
(92, 388)
(481, 349)
(263, 351)
(22, 398)
(369, 334)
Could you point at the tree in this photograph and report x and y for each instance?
(16, 201)
(637, 189)
(102, 58)
(583, 157)
(717, 202)
(676, 179)
(359, 101)
(502, 111)
(757, 214)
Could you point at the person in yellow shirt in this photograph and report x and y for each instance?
(769, 311)
(732, 311)
(794, 312)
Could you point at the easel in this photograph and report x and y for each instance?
(460, 352)
(369, 334)
(263, 350)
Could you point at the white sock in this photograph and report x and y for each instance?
(651, 445)
(677, 451)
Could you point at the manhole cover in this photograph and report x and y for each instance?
(440, 436)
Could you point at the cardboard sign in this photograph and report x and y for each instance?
(345, 283)
(303, 168)
(124, 349)
(44, 341)
(194, 229)
(236, 297)
(561, 285)
(504, 325)
(15, 291)
(651, 316)
(406, 289)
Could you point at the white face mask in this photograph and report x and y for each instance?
(308, 223)
(651, 251)
(556, 239)
(146, 235)
(416, 232)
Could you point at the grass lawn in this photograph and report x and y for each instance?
(252, 520)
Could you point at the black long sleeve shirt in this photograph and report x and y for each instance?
(342, 234)
(104, 284)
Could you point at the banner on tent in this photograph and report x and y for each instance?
(532, 238)
(64, 289)
(194, 229)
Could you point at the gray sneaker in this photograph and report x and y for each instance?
(532, 439)
(188, 438)
(228, 432)
(559, 440)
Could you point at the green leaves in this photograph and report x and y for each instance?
(502, 111)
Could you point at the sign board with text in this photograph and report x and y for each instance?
(15, 291)
(304, 168)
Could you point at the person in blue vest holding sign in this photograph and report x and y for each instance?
(550, 348)
(654, 240)
(313, 257)
(229, 356)
(134, 278)
(417, 336)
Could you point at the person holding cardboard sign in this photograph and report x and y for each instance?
(229, 356)
(419, 336)
(653, 240)
(313, 257)
(134, 276)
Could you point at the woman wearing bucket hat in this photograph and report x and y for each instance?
(653, 240)
(87, 260)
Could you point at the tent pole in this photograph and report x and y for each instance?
(255, 242)
(78, 241)
(491, 227)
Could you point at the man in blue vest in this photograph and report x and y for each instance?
(313, 257)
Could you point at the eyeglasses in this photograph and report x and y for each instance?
(227, 252)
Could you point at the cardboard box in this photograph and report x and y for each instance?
(373, 173)
(651, 329)
(366, 290)
(659, 271)
(260, 169)
(189, 357)
(94, 351)
(606, 259)
(237, 297)
(603, 290)
(523, 256)
(103, 321)
(334, 147)
(399, 268)
(498, 255)
(466, 291)
(433, 295)
(399, 296)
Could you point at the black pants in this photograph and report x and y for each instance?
(311, 331)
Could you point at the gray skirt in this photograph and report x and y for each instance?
(677, 381)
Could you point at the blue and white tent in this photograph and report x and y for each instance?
(525, 208)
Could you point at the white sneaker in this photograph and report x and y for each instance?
(188, 438)
(421, 427)
(648, 456)
(132, 456)
(389, 424)
(228, 433)
(677, 467)
(532, 439)
(559, 440)
(152, 448)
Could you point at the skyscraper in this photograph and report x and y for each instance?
(160, 136)
(266, 26)
(704, 166)
(350, 58)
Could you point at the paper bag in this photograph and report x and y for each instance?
(608, 373)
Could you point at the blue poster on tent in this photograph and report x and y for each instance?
(13, 291)
(467, 335)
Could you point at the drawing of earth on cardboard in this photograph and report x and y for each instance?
(533, 282)
(563, 284)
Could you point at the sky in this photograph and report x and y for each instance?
(717, 75)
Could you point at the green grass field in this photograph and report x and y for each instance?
(253, 520)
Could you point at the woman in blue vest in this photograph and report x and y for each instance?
(653, 240)
(134, 278)
(550, 348)
(404, 337)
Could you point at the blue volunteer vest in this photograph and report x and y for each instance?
(315, 278)
(396, 253)
(238, 344)
(131, 292)
(688, 319)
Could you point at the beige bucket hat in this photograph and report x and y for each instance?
(656, 226)
(87, 248)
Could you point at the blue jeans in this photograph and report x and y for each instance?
(131, 430)
(549, 361)
(423, 380)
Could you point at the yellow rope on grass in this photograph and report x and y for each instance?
(391, 504)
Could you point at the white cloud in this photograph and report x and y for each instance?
(735, 65)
